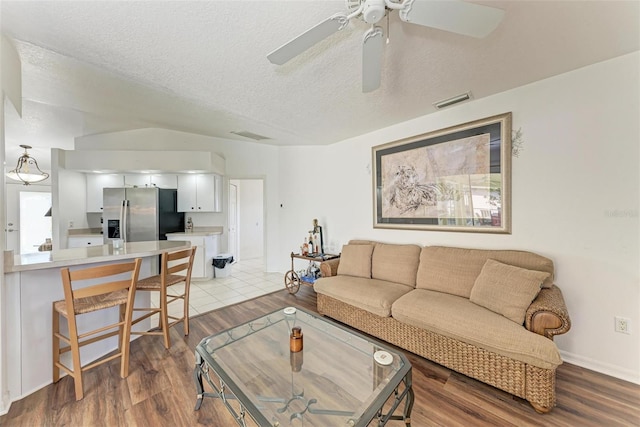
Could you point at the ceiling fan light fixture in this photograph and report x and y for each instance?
(27, 170)
(455, 16)
(452, 101)
(373, 11)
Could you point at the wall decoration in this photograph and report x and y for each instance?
(517, 142)
(454, 179)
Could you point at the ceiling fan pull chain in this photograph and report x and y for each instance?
(387, 28)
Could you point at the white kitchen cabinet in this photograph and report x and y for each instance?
(206, 248)
(137, 180)
(84, 241)
(151, 180)
(95, 184)
(164, 181)
(217, 203)
(197, 193)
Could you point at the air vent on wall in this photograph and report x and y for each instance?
(451, 101)
(250, 135)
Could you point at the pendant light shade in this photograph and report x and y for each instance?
(27, 170)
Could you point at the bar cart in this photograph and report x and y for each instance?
(292, 280)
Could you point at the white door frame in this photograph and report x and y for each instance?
(264, 216)
(233, 240)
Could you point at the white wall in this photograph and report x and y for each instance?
(153, 139)
(575, 198)
(69, 200)
(10, 97)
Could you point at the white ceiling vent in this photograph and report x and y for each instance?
(451, 101)
(250, 135)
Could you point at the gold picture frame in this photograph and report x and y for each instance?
(453, 179)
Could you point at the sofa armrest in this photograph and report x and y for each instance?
(547, 315)
(330, 267)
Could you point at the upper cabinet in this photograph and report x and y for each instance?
(95, 184)
(199, 193)
(164, 181)
(137, 180)
(196, 192)
(218, 192)
(148, 180)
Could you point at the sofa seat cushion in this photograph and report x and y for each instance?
(375, 296)
(460, 319)
(395, 263)
(454, 270)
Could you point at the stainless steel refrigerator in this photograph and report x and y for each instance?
(140, 214)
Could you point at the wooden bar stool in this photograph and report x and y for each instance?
(117, 289)
(175, 268)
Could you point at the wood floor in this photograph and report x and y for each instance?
(160, 390)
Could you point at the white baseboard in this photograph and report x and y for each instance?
(5, 403)
(603, 368)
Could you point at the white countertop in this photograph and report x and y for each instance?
(199, 231)
(78, 256)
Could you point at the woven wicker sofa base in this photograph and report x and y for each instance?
(531, 383)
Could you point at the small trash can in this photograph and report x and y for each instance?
(222, 265)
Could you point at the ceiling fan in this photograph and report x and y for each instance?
(450, 15)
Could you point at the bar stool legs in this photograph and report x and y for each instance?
(114, 291)
(175, 269)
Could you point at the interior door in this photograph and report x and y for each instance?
(233, 221)
(12, 212)
(36, 226)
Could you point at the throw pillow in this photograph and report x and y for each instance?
(355, 260)
(506, 289)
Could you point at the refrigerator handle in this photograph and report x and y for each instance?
(121, 220)
(125, 210)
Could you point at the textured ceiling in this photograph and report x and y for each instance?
(201, 67)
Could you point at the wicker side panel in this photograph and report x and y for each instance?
(539, 382)
(499, 371)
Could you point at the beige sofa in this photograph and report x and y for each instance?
(488, 314)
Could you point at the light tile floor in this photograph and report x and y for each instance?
(246, 281)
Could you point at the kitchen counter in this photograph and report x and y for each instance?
(33, 282)
(199, 231)
(207, 246)
(78, 256)
(86, 235)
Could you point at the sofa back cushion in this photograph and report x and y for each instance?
(395, 263)
(355, 260)
(454, 270)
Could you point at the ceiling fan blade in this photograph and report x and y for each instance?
(453, 15)
(372, 49)
(307, 39)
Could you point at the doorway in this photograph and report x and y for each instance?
(246, 219)
(14, 239)
(35, 220)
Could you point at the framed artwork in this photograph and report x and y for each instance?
(453, 179)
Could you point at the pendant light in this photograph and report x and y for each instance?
(27, 170)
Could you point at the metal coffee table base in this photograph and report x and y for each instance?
(404, 394)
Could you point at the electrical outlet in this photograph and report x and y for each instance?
(70, 224)
(622, 324)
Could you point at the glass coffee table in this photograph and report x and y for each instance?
(339, 378)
